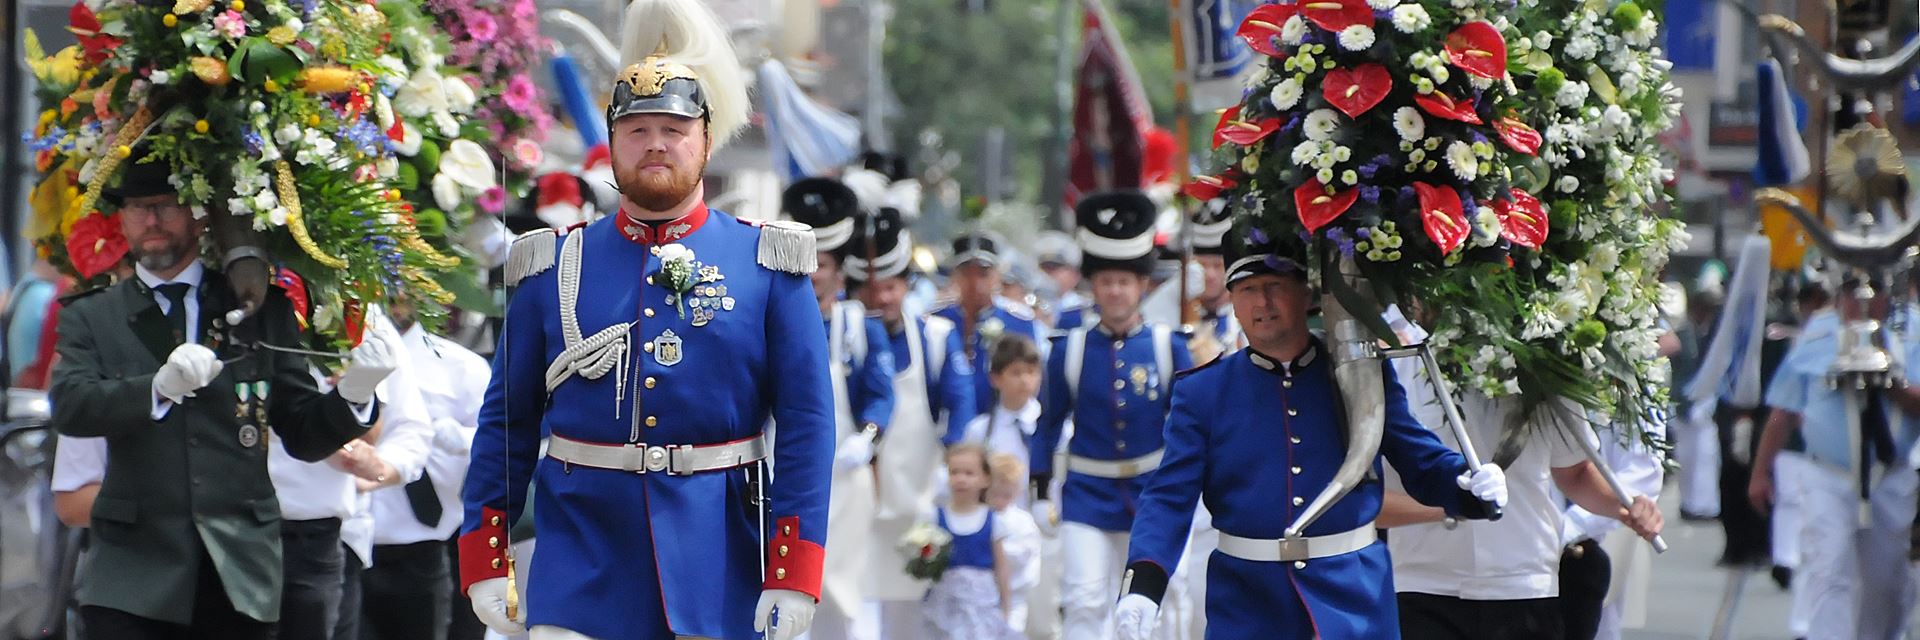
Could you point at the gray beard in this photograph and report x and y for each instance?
(159, 261)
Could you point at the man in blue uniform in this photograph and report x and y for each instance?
(654, 345)
(979, 312)
(1258, 433)
(862, 370)
(1112, 381)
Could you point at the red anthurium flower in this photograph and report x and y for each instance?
(1442, 216)
(1247, 133)
(1354, 91)
(1205, 188)
(296, 291)
(1441, 105)
(355, 319)
(96, 244)
(1334, 15)
(1518, 135)
(1478, 48)
(1263, 25)
(1522, 220)
(86, 27)
(1318, 206)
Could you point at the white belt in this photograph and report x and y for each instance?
(674, 460)
(1116, 469)
(1294, 549)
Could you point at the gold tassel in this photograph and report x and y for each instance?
(109, 163)
(295, 223)
(411, 240)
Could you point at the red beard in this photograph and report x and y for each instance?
(652, 191)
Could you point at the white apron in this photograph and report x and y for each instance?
(850, 505)
(907, 460)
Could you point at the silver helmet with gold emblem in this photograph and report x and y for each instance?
(680, 63)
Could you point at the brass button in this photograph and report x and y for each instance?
(1297, 501)
(495, 521)
(1117, 344)
(786, 531)
(648, 347)
(493, 542)
(1294, 439)
(783, 551)
(1299, 564)
(647, 313)
(652, 421)
(1286, 384)
(1119, 385)
(496, 563)
(1296, 471)
(1122, 445)
(779, 574)
(650, 382)
(1121, 424)
(1292, 412)
(1120, 405)
(649, 279)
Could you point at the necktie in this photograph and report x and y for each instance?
(425, 503)
(176, 293)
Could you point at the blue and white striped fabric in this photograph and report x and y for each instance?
(805, 138)
(1730, 370)
(1783, 153)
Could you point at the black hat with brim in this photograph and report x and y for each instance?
(1116, 232)
(141, 176)
(1253, 253)
(828, 206)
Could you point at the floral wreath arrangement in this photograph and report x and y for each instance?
(1499, 157)
(927, 549)
(311, 121)
(499, 42)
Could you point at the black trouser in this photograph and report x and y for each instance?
(1430, 617)
(213, 618)
(348, 628)
(310, 558)
(465, 625)
(1585, 573)
(1749, 533)
(405, 595)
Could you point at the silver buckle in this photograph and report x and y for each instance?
(1129, 468)
(673, 462)
(1293, 549)
(657, 459)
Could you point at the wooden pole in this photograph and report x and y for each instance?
(1177, 11)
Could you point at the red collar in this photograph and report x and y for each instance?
(682, 227)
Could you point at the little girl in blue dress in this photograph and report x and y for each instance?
(971, 599)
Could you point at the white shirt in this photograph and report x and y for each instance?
(452, 383)
(191, 276)
(308, 490)
(313, 490)
(1021, 545)
(1004, 431)
(78, 462)
(1639, 471)
(1514, 558)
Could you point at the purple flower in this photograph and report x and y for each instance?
(253, 140)
(1363, 233)
(1341, 240)
(1370, 193)
(1257, 236)
(1479, 138)
(520, 94)
(1467, 203)
(481, 26)
(1406, 194)
(1280, 264)
(493, 200)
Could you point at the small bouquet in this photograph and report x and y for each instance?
(927, 549)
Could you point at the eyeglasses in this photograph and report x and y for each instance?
(143, 213)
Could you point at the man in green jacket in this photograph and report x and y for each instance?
(186, 528)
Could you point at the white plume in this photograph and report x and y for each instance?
(693, 36)
(868, 186)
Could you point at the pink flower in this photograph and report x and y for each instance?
(520, 94)
(481, 26)
(526, 153)
(493, 200)
(231, 23)
(522, 10)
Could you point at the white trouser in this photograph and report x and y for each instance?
(828, 624)
(1043, 600)
(1697, 445)
(898, 619)
(550, 632)
(1858, 578)
(1090, 580)
(1789, 469)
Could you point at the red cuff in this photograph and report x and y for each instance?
(793, 563)
(483, 551)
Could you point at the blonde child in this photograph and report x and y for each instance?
(972, 598)
(1022, 544)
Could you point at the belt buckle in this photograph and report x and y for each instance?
(1129, 468)
(1293, 549)
(657, 459)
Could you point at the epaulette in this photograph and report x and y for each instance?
(786, 245)
(1186, 372)
(73, 296)
(532, 253)
(1018, 310)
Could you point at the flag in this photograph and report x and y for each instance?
(804, 137)
(1689, 38)
(1110, 112)
(1217, 58)
(1782, 152)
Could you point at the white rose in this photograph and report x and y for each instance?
(382, 111)
(1356, 38)
(466, 163)
(446, 192)
(1460, 157)
(160, 77)
(1408, 123)
(1293, 31)
(423, 94)
(389, 166)
(1321, 124)
(1408, 18)
(1286, 94)
(287, 134)
(675, 252)
(277, 216)
(1568, 184)
(1542, 40)
(409, 142)
(460, 96)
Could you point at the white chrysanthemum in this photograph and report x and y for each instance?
(1293, 31)
(1340, 153)
(1568, 184)
(1486, 227)
(1408, 18)
(1383, 5)
(1583, 47)
(1440, 74)
(1643, 34)
(1409, 124)
(1286, 94)
(1480, 83)
(1460, 157)
(1261, 74)
(1321, 124)
(1305, 152)
(1356, 38)
(1325, 176)
(1572, 94)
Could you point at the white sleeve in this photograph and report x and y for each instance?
(78, 462)
(1562, 450)
(407, 435)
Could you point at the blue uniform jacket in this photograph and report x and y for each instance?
(637, 556)
(977, 342)
(870, 381)
(949, 383)
(1117, 413)
(1258, 444)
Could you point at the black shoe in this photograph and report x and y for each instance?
(1782, 576)
(1689, 516)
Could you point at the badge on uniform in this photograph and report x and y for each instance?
(249, 436)
(666, 349)
(252, 394)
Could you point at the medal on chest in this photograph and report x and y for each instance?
(250, 411)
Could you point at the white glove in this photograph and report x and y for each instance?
(795, 611)
(489, 598)
(1488, 483)
(1135, 618)
(854, 452)
(1046, 517)
(369, 364)
(188, 369)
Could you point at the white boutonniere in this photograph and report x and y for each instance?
(677, 267)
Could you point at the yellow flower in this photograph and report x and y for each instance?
(123, 151)
(170, 20)
(46, 117)
(313, 120)
(320, 80)
(271, 86)
(210, 70)
(200, 126)
(281, 35)
(238, 5)
(184, 7)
